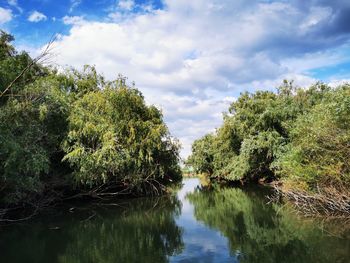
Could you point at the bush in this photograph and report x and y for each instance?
(115, 137)
(319, 152)
(54, 124)
(301, 135)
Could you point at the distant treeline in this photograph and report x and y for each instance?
(299, 137)
(75, 132)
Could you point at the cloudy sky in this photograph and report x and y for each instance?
(191, 58)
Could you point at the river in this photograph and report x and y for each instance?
(195, 225)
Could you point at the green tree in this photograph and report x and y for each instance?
(202, 155)
(32, 127)
(294, 133)
(55, 123)
(319, 150)
(115, 137)
(13, 65)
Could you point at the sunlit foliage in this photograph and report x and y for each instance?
(114, 135)
(299, 135)
(74, 129)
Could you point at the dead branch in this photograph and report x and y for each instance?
(328, 202)
(16, 220)
(43, 57)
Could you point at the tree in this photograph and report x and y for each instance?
(318, 154)
(115, 137)
(71, 131)
(295, 133)
(202, 155)
(17, 69)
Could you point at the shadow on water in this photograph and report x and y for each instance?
(139, 230)
(197, 225)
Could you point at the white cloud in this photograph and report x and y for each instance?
(5, 15)
(74, 4)
(124, 10)
(193, 58)
(316, 16)
(14, 3)
(73, 20)
(126, 4)
(338, 82)
(36, 16)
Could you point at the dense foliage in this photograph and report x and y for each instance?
(298, 135)
(76, 130)
(114, 135)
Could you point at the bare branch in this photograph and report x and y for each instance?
(42, 58)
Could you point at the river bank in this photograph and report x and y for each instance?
(194, 224)
(326, 202)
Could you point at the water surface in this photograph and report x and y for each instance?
(196, 225)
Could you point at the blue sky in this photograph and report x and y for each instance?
(191, 58)
(36, 33)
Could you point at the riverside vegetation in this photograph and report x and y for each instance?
(298, 138)
(73, 133)
(68, 134)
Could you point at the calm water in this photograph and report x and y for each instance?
(228, 225)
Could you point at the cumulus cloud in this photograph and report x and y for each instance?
(36, 16)
(5, 15)
(194, 57)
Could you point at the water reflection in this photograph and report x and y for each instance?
(202, 244)
(197, 225)
(141, 230)
(260, 232)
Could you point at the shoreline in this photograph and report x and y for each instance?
(26, 211)
(336, 205)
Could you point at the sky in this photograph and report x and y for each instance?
(192, 58)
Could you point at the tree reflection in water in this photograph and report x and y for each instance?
(140, 230)
(261, 232)
(225, 225)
